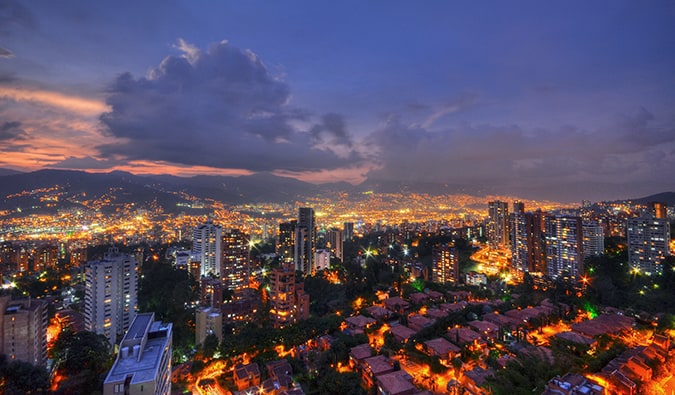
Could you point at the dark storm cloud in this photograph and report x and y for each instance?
(634, 149)
(221, 108)
(12, 131)
(332, 130)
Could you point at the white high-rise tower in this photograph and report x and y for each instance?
(110, 302)
(207, 248)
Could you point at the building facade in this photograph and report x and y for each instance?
(23, 330)
(207, 248)
(594, 239)
(288, 301)
(648, 239)
(498, 224)
(235, 270)
(305, 241)
(143, 363)
(445, 264)
(564, 245)
(286, 241)
(111, 293)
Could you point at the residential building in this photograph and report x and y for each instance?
(143, 363)
(527, 240)
(23, 330)
(286, 242)
(110, 301)
(445, 264)
(335, 242)
(235, 269)
(498, 224)
(305, 241)
(288, 301)
(648, 239)
(209, 321)
(564, 245)
(207, 248)
(593, 239)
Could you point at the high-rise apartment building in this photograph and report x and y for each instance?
(445, 264)
(288, 301)
(335, 242)
(648, 239)
(348, 231)
(207, 248)
(564, 245)
(143, 364)
(594, 239)
(23, 330)
(286, 242)
(305, 241)
(110, 301)
(498, 224)
(527, 240)
(659, 210)
(235, 268)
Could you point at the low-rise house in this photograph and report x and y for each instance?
(474, 381)
(246, 376)
(442, 349)
(573, 384)
(418, 322)
(462, 336)
(436, 314)
(401, 333)
(419, 298)
(358, 354)
(396, 304)
(487, 330)
(373, 367)
(395, 383)
(378, 312)
(359, 323)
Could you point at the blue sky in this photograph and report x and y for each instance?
(560, 100)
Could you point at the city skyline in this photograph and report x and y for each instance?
(562, 101)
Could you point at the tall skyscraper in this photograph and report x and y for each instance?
(498, 224)
(564, 244)
(305, 246)
(207, 248)
(445, 264)
(286, 242)
(143, 364)
(594, 239)
(23, 330)
(110, 301)
(527, 241)
(235, 265)
(335, 242)
(648, 239)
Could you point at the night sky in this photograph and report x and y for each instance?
(564, 100)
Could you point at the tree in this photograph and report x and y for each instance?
(83, 358)
(20, 377)
(210, 345)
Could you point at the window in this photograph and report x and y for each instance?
(119, 388)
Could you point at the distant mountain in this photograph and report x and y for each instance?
(8, 172)
(664, 197)
(49, 190)
(39, 189)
